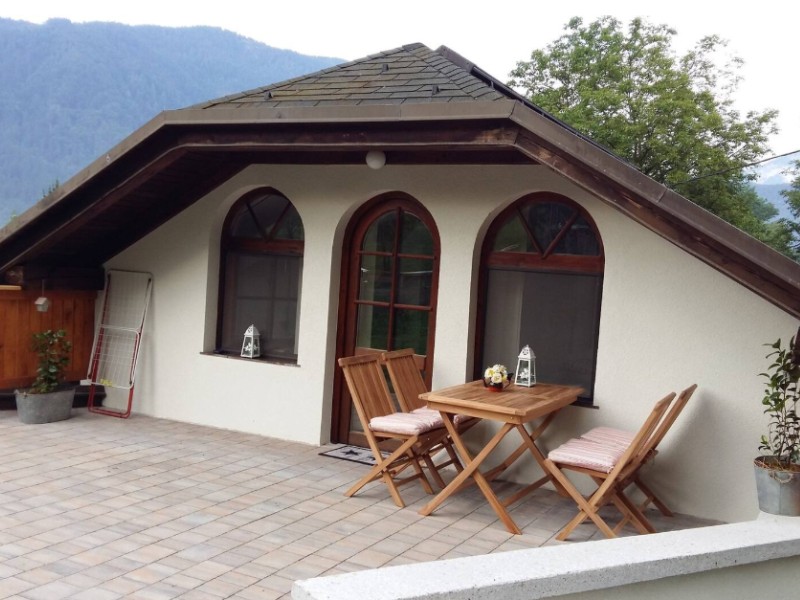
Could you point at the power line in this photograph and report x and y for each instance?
(758, 162)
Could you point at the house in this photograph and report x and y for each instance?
(411, 199)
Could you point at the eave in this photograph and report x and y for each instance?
(180, 156)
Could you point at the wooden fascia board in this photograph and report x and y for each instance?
(675, 218)
(363, 113)
(173, 133)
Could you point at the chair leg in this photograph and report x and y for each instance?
(650, 497)
(633, 514)
(381, 470)
(588, 508)
(434, 471)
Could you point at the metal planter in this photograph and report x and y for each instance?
(45, 408)
(778, 489)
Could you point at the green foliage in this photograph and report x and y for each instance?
(792, 196)
(53, 350)
(780, 400)
(671, 116)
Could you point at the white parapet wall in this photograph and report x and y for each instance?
(732, 561)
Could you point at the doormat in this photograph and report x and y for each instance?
(353, 454)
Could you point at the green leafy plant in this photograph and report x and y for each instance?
(780, 400)
(53, 350)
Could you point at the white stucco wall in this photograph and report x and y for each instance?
(667, 321)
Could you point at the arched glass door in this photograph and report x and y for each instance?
(390, 274)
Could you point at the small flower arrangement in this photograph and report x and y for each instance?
(496, 377)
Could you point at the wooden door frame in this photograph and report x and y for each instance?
(356, 227)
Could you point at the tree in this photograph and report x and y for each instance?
(672, 117)
(792, 196)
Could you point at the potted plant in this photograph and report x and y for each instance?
(496, 378)
(47, 400)
(778, 471)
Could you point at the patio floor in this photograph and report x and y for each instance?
(102, 508)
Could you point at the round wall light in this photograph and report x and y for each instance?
(376, 159)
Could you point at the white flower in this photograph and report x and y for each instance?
(496, 373)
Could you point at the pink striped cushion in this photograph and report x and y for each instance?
(610, 436)
(406, 423)
(585, 453)
(458, 419)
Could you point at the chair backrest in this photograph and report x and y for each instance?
(642, 442)
(367, 385)
(666, 422)
(406, 378)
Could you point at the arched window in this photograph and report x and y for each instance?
(542, 283)
(261, 263)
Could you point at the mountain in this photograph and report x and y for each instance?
(772, 192)
(70, 91)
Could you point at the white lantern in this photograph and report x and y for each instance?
(525, 374)
(42, 304)
(251, 346)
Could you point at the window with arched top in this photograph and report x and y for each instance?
(541, 284)
(261, 264)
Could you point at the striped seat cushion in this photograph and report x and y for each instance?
(588, 454)
(610, 436)
(458, 419)
(406, 423)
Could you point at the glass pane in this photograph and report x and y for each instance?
(546, 220)
(512, 237)
(267, 210)
(380, 235)
(262, 290)
(291, 227)
(243, 225)
(415, 238)
(256, 217)
(414, 283)
(411, 330)
(557, 314)
(580, 239)
(376, 278)
(373, 327)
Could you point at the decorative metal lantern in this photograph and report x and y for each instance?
(525, 375)
(251, 346)
(42, 304)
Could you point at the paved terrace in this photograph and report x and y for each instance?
(101, 508)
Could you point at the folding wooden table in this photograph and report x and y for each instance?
(513, 407)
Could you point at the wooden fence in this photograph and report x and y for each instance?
(73, 311)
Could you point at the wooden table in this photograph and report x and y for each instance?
(513, 407)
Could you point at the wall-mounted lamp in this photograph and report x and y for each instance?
(42, 304)
(376, 159)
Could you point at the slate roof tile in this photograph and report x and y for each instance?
(412, 73)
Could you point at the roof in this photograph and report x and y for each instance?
(418, 105)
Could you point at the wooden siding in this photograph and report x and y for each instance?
(72, 311)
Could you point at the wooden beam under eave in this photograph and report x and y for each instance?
(780, 291)
(348, 136)
(39, 277)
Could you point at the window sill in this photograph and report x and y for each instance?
(585, 403)
(271, 360)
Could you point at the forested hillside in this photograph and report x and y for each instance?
(70, 91)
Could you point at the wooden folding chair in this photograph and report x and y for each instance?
(610, 435)
(408, 384)
(610, 467)
(416, 434)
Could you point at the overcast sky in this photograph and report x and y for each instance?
(493, 35)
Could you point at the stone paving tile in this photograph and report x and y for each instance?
(100, 509)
